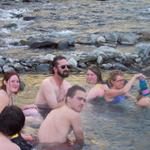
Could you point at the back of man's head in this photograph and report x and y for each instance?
(12, 120)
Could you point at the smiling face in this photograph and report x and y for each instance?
(119, 82)
(62, 68)
(91, 77)
(13, 84)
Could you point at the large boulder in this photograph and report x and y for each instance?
(50, 42)
(128, 38)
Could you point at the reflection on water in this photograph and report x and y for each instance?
(106, 127)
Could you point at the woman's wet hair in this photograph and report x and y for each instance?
(96, 70)
(6, 77)
(113, 75)
(12, 120)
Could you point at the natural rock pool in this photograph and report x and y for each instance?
(121, 127)
(106, 127)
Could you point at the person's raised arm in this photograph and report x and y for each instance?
(111, 93)
(128, 86)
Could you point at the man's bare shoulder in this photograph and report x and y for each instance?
(75, 115)
(47, 81)
(71, 113)
(65, 111)
(67, 83)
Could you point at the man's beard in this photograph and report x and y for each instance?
(63, 74)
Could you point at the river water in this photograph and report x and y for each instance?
(119, 127)
(76, 18)
(106, 127)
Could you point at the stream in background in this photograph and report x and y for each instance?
(19, 21)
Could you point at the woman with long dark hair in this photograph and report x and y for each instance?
(10, 86)
(94, 77)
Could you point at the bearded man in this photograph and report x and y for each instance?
(54, 88)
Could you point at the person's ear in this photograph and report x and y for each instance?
(112, 82)
(5, 82)
(68, 99)
(55, 69)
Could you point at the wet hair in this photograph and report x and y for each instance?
(96, 70)
(55, 61)
(12, 120)
(72, 90)
(113, 75)
(6, 77)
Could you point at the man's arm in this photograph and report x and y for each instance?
(78, 132)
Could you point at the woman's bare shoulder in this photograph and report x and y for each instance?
(3, 93)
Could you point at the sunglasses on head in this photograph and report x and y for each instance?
(64, 66)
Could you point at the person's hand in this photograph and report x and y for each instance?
(27, 137)
(70, 142)
(139, 75)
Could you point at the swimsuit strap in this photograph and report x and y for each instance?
(118, 99)
(14, 136)
(98, 85)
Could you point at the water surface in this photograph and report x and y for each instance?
(106, 127)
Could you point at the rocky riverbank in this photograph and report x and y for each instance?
(113, 34)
